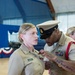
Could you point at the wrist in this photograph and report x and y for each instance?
(54, 59)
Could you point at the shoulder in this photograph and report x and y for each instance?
(15, 54)
(69, 39)
(36, 51)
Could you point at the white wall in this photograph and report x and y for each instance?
(66, 20)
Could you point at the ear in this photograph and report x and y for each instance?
(56, 30)
(21, 35)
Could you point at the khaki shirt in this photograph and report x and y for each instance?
(25, 62)
(59, 49)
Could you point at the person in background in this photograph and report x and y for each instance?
(71, 32)
(26, 60)
(58, 64)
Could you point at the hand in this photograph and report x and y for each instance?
(49, 55)
(42, 52)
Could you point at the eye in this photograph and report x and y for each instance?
(34, 33)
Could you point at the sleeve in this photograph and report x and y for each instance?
(15, 65)
(72, 55)
(29, 69)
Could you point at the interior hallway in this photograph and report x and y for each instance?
(4, 67)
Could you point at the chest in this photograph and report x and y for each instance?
(59, 51)
(34, 59)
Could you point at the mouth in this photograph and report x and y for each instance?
(47, 42)
(36, 40)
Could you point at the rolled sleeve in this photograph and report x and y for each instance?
(72, 55)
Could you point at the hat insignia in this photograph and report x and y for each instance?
(41, 31)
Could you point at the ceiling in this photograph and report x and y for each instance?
(34, 11)
(21, 7)
(61, 6)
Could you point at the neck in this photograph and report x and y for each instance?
(30, 47)
(60, 33)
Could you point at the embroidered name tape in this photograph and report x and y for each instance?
(30, 59)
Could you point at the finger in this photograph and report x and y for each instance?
(41, 51)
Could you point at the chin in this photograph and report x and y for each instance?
(35, 43)
(49, 44)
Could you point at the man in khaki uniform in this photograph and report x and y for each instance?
(55, 38)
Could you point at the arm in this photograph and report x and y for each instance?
(15, 65)
(65, 64)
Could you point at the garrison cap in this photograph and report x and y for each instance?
(46, 28)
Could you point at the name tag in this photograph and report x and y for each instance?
(30, 59)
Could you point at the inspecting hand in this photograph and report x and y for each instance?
(42, 52)
(49, 55)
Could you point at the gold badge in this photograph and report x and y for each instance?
(41, 31)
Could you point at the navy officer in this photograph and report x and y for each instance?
(58, 64)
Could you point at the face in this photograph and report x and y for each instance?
(73, 36)
(52, 39)
(30, 37)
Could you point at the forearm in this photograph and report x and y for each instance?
(66, 65)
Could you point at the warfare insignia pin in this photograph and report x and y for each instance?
(59, 53)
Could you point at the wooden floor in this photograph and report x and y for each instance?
(4, 67)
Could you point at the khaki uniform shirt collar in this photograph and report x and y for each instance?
(62, 39)
(24, 49)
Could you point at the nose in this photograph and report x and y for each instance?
(36, 35)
